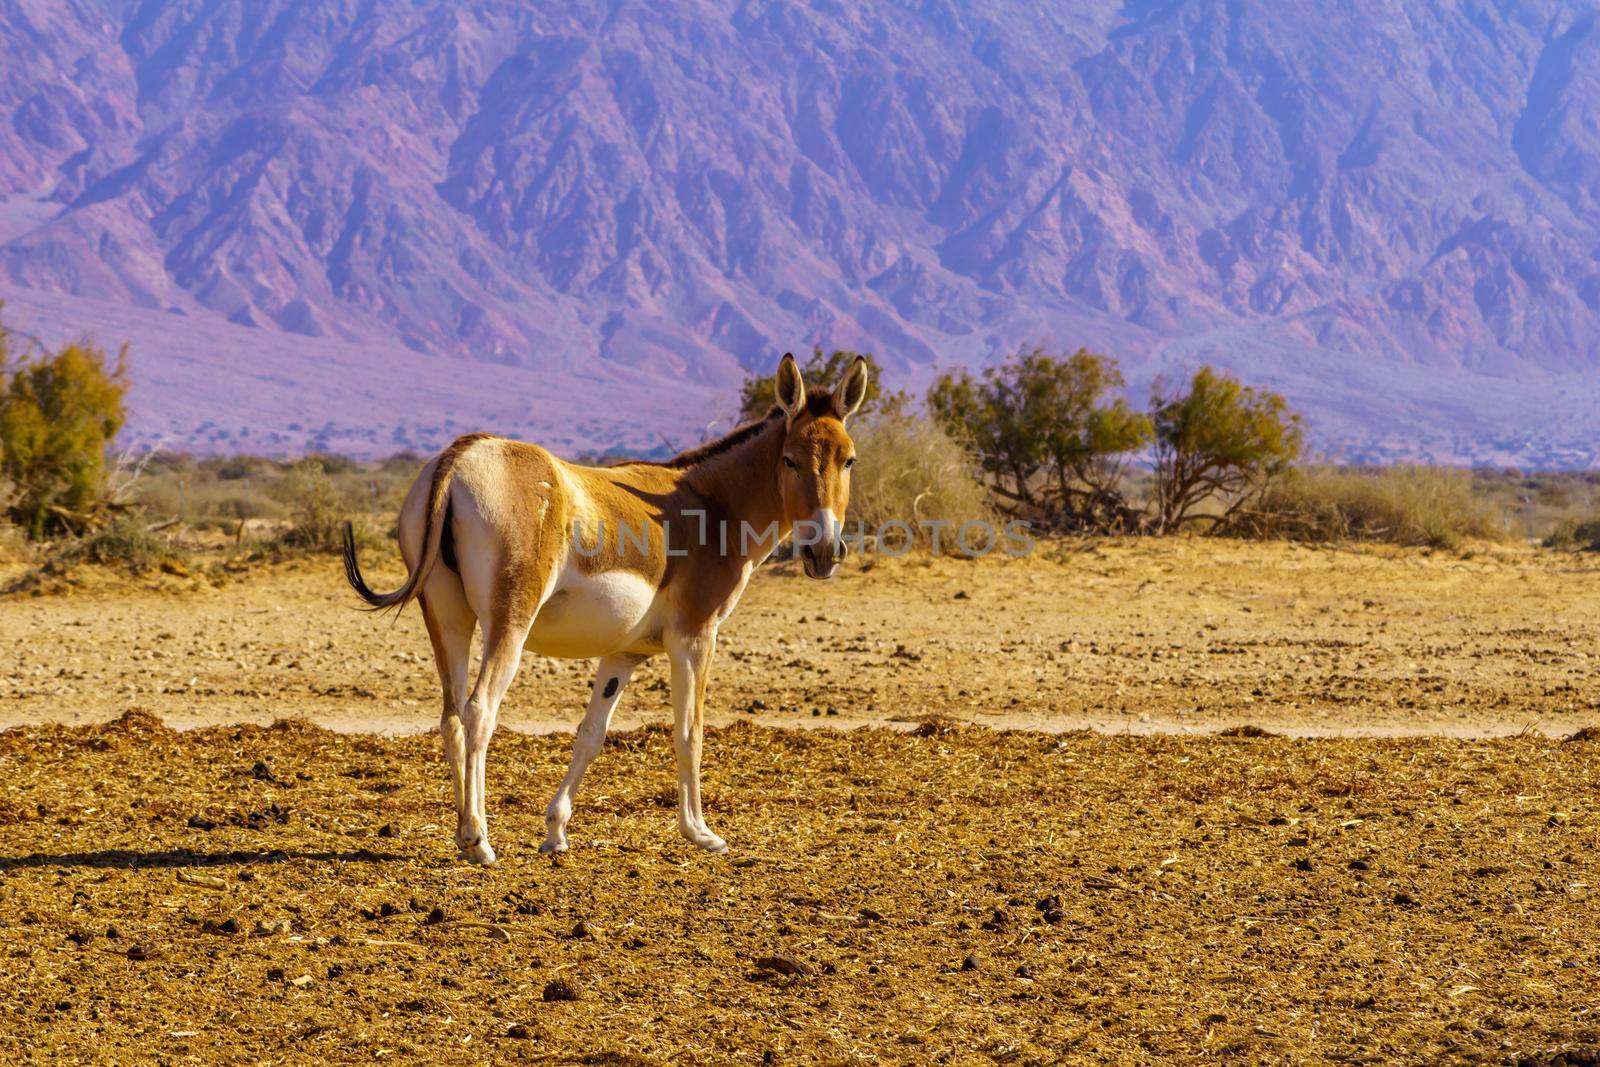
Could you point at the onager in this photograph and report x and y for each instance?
(618, 563)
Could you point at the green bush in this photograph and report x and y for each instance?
(58, 415)
(1218, 442)
(1400, 505)
(1049, 434)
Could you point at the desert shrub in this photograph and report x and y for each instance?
(126, 542)
(1400, 505)
(164, 461)
(1053, 440)
(58, 414)
(332, 463)
(1575, 535)
(236, 506)
(13, 539)
(820, 371)
(14, 545)
(167, 495)
(234, 468)
(1218, 442)
(909, 469)
(314, 508)
(402, 463)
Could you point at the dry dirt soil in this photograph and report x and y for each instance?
(958, 894)
(1172, 886)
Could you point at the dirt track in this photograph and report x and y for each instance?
(1141, 636)
(963, 895)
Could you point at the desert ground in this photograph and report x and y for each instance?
(1121, 636)
(1115, 802)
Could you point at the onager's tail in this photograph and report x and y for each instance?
(432, 534)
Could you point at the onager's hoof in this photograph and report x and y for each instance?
(479, 853)
(553, 845)
(708, 841)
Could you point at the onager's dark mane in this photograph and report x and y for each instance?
(817, 404)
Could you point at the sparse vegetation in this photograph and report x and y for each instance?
(1401, 505)
(126, 543)
(1575, 535)
(1043, 437)
(266, 495)
(316, 517)
(14, 545)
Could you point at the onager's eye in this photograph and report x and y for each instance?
(791, 464)
(851, 462)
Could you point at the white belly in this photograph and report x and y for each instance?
(596, 615)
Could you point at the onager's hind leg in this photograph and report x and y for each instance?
(609, 683)
(450, 624)
(502, 652)
(691, 668)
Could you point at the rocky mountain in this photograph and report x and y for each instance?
(611, 210)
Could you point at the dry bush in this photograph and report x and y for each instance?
(298, 505)
(405, 464)
(14, 546)
(1400, 505)
(213, 492)
(126, 543)
(1575, 535)
(235, 506)
(318, 508)
(236, 468)
(908, 469)
(315, 511)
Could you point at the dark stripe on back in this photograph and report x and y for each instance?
(817, 405)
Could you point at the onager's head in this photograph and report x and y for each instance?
(817, 456)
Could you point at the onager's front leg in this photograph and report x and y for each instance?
(691, 667)
(609, 683)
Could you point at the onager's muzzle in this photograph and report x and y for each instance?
(820, 542)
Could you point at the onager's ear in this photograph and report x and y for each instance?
(789, 387)
(848, 394)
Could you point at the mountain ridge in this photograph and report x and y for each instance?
(1392, 215)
